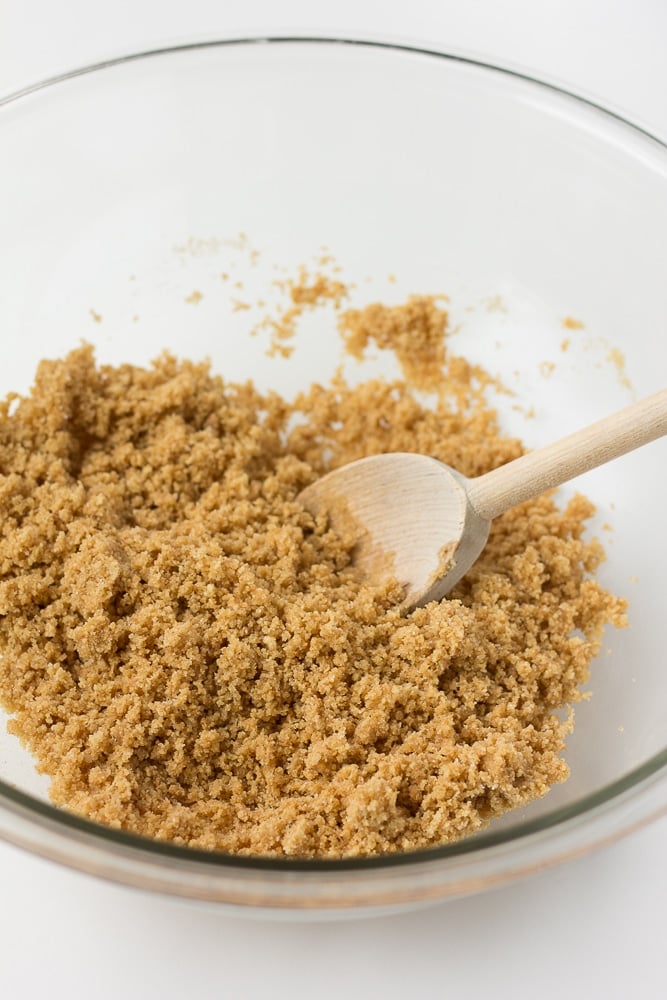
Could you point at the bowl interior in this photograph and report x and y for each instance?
(126, 190)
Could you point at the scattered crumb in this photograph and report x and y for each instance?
(97, 318)
(547, 368)
(634, 579)
(617, 358)
(565, 343)
(238, 305)
(572, 324)
(621, 729)
(195, 297)
(391, 278)
(495, 304)
(305, 292)
(607, 527)
(199, 247)
(135, 319)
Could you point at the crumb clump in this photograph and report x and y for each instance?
(190, 655)
(415, 332)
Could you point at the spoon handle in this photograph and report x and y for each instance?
(538, 471)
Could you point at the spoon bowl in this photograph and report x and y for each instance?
(412, 519)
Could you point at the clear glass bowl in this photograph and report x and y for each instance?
(124, 188)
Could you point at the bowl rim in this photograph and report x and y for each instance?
(27, 821)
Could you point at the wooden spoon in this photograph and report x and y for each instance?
(423, 523)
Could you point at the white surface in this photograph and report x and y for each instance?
(591, 928)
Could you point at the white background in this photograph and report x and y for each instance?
(592, 928)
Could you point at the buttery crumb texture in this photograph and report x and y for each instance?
(189, 654)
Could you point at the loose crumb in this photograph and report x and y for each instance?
(194, 297)
(573, 324)
(496, 303)
(97, 318)
(305, 292)
(617, 358)
(199, 247)
(190, 655)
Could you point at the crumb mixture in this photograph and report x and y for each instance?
(190, 655)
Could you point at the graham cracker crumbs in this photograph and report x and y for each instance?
(191, 656)
(305, 292)
(195, 297)
(96, 317)
(547, 368)
(565, 344)
(415, 332)
(572, 324)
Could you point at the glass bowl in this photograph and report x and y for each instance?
(129, 186)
